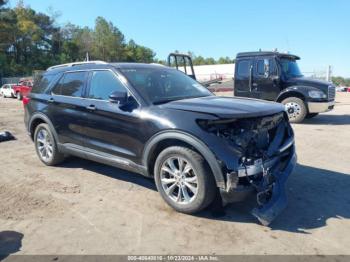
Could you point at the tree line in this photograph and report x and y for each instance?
(31, 40)
(341, 81)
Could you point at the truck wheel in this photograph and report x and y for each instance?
(311, 115)
(19, 96)
(295, 108)
(46, 146)
(184, 179)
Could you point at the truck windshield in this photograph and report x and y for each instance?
(162, 85)
(290, 68)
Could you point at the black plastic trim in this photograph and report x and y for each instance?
(101, 157)
(189, 139)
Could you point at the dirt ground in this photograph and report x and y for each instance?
(82, 207)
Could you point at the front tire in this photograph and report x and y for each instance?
(46, 146)
(184, 179)
(296, 109)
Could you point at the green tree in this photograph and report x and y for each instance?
(341, 81)
(225, 60)
(108, 41)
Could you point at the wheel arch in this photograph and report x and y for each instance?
(37, 119)
(291, 92)
(170, 138)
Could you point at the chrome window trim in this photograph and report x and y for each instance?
(58, 80)
(119, 77)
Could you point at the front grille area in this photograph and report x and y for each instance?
(331, 93)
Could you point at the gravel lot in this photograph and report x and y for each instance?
(82, 207)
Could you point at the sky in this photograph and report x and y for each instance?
(316, 30)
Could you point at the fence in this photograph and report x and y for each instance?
(322, 74)
(210, 72)
(13, 80)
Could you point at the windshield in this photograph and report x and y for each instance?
(161, 85)
(290, 68)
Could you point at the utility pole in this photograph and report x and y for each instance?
(329, 74)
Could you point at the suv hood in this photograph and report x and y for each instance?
(227, 107)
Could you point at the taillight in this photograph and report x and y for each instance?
(25, 100)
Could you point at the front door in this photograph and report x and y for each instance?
(111, 130)
(264, 84)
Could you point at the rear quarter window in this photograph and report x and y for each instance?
(42, 83)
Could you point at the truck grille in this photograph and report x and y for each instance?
(331, 92)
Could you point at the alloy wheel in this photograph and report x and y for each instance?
(44, 145)
(179, 180)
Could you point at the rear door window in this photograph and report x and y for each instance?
(244, 68)
(71, 84)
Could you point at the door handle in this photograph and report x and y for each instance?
(255, 84)
(91, 107)
(51, 100)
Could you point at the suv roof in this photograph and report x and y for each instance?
(76, 64)
(97, 65)
(267, 53)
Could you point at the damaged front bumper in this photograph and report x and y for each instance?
(266, 179)
(272, 198)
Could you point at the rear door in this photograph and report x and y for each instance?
(242, 77)
(66, 108)
(111, 130)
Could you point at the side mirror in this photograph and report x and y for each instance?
(266, 68)
(119, 97)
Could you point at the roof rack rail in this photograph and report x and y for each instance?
(77, 63)
(158, 64)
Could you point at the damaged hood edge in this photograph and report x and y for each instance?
(227, 107)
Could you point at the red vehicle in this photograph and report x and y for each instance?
(23, 88)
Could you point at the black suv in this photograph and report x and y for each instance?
(159, 122)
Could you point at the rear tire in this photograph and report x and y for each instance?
(46, 146)
(192, 188)
(296, 109)
(311, 115)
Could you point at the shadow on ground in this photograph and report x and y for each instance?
(328, 119)
(10, 243)
(314, 196)
(100, 169)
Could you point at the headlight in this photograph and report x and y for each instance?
(317, 94)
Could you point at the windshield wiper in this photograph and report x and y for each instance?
(167, 100)
(164, 101)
